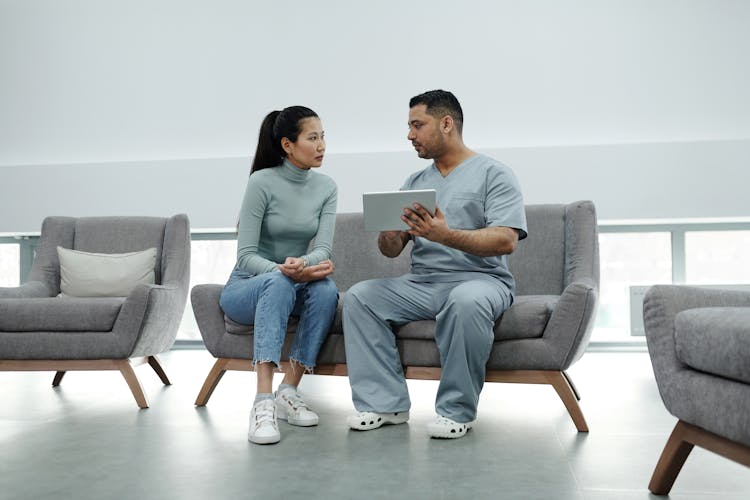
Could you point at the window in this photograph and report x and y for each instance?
(626, 259)
(717, 257)
(211, 261)
(630, 256)
(10, 258)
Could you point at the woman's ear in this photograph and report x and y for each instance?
(286, 145)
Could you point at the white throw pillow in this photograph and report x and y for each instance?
(85, 274)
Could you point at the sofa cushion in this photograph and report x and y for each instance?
(239, 329)
(715, 340)
(59, 314)
(526, 318)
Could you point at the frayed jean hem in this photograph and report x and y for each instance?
(306, 368)
(277, 364)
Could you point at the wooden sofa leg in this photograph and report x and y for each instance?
(156, 365)
(130, 377)
(212, 380)
(572, 385)
(58, 378)
(567, 394)
(671, 461)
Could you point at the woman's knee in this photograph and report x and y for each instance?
(325, 290)
(277, 282)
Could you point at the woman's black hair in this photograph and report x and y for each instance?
(277, 125)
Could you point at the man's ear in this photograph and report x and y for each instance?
(446, 124)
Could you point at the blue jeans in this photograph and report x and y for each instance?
(266, 301)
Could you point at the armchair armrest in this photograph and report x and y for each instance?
(660, 306)
(691, 395)
(29, 290)
(150, 317)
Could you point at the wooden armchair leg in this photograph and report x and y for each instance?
(212, 380)
(156, 365)
(58, 378)
(135, 385)
(681, 442)
(671, 461)
(567, 394)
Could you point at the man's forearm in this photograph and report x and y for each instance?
(485, 242)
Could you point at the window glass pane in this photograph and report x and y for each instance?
(628, 259)
(211, 261)
(10, 256)
(717, 257)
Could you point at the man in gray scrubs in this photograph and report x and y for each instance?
(459, 277)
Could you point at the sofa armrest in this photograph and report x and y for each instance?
(29, 290)
(208, 314)
(570, 325)
(581, 244)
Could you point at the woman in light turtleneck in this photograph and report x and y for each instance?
(278, 273)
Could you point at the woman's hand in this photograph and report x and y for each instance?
(292, 266)
(295, 268)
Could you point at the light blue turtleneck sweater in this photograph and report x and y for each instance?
(284, 208)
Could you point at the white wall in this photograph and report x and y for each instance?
(153, 106)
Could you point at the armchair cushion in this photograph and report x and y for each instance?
(715, 340)
(86, 274)
(56, 314)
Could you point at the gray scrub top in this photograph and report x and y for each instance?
(480, 192)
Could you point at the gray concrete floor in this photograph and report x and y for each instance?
(88, 440)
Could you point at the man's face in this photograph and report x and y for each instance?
(424, 133)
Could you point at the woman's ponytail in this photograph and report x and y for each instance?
(268, 153)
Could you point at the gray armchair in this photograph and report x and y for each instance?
(42, 331)
(699, 343)
(543, 333)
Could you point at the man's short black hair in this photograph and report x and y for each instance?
(440, 103)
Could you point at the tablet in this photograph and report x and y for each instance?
(383, 210)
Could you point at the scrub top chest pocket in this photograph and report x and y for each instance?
(465, 210)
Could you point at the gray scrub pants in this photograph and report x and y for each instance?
(464, 312)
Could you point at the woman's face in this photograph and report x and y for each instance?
(307, 151)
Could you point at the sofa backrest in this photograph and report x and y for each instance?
(561, 247)
(538, 264)
(356, 254)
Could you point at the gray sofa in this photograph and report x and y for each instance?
(40, 331)
(542, 334)
(699, 343)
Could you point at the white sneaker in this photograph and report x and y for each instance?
(445, 428)
(367, 420)
(263, 426)
(291, 407)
